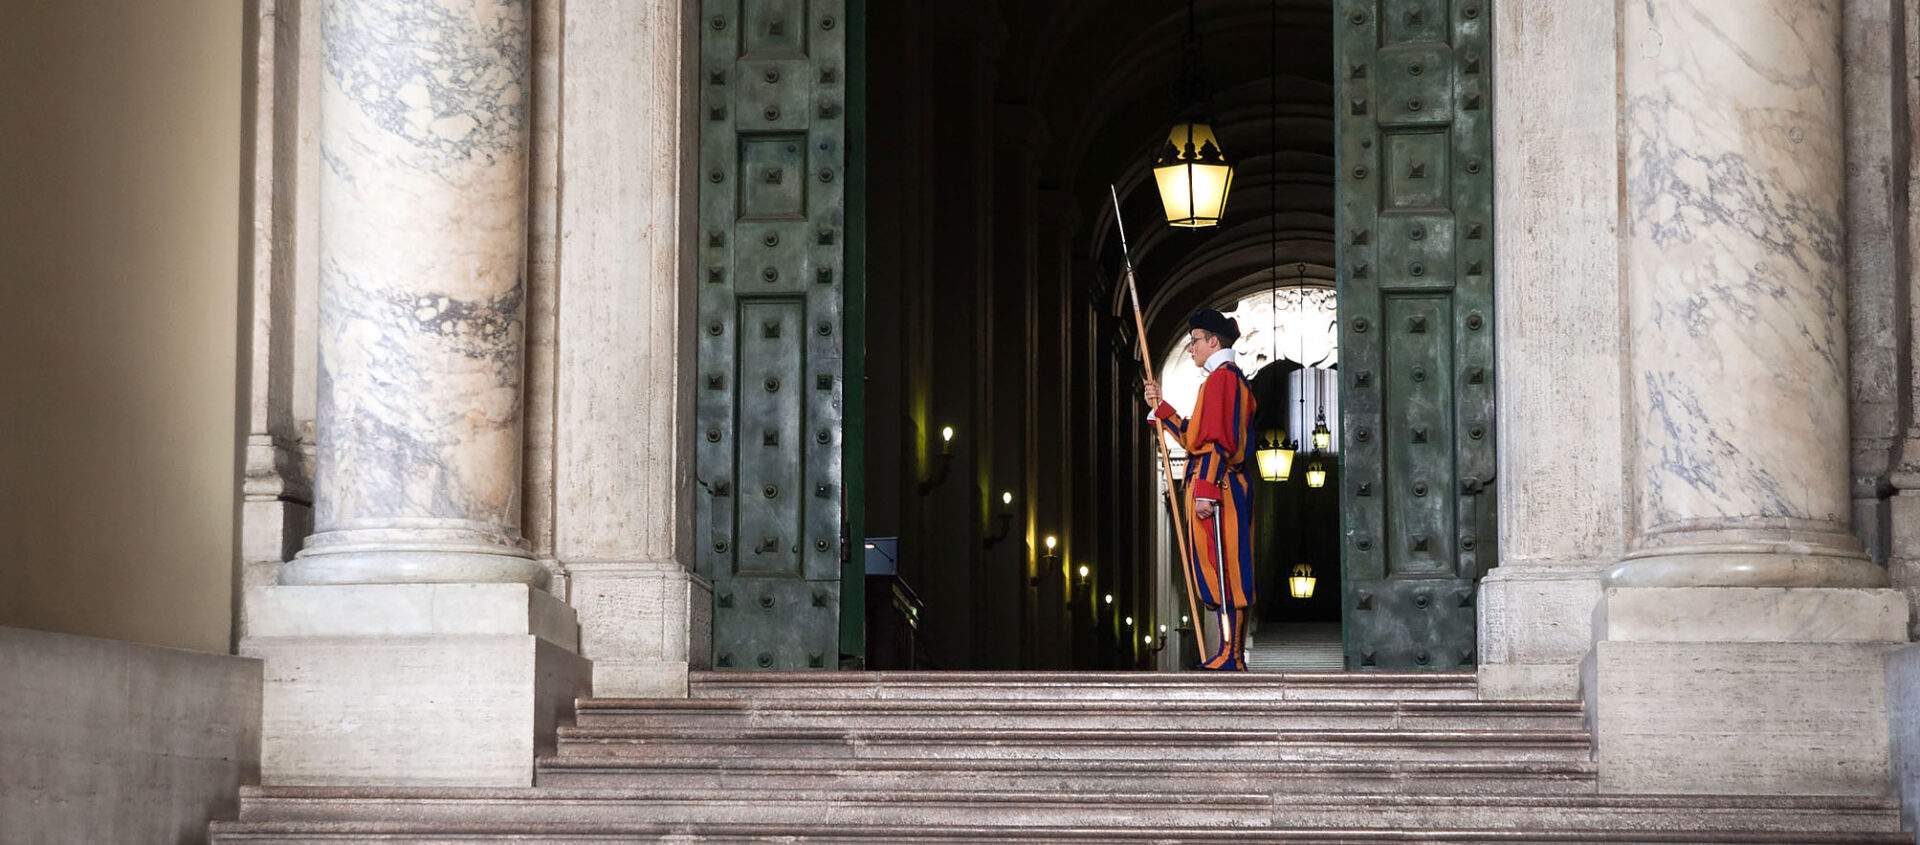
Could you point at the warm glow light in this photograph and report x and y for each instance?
(1148, 639)
(1163, 630)
(1129, 621)
(1006, 498)
(1301, 584)
(1108, 598)
(870, 545)
(1316, 474)
(1051, 542)
(1083, 570)
(1194, 176)
(1322, 438)
(1274, 458)
(946, 434)
(1183, 619)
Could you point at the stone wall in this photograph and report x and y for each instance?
(115, 742)
(117, 433)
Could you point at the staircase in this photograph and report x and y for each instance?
(1035, 757)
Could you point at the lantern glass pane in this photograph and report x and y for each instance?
(1195, 180)
(1275, 463)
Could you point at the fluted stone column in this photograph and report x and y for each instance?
(423, 234)
(1740, 644)
(411, 642)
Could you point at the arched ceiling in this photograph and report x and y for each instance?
(1100, 75)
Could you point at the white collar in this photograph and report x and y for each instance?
(1216, 359)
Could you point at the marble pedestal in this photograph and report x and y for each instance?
(412, 684)
(1742, 690)
(644, 624)
(1534, 629)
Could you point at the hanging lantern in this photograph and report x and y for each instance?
(1191, 169)
(1194, 176)
(1301, 584)
(1322, 437)
(1275, 457)
(1316, 473)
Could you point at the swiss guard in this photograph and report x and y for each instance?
(1219, 505)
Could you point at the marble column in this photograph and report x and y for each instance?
(1736, 270)
(1740, 645)
(423, 233)
(411, 643)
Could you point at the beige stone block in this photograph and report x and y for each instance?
(106, 741)
(1534, 627)
(367, 610)
(1903, 723)
(423, 710)
(1751, 614)
(643, 624)
(1740, 717)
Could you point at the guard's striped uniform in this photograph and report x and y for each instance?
(1216, 438)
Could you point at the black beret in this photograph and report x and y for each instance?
(1209, 320)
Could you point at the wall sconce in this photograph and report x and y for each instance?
(1082, 580)
(1153, 645)
(1129, 621)
(1051, 557)
(942, 463)
(1108, 599)
(1002, 522)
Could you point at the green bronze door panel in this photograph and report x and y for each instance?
(770, 302)
(1414, 213)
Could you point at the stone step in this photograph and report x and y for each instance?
(1089, 686)
(1034, 714)
(1164, 775)
(520, 808)
(1154, 744)
(683, 805)
(334, 833)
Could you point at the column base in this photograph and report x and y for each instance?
(1534, 629)
(1783, 564)
(412, 684)
(1742, 690)
(644, 624)
(413, 555)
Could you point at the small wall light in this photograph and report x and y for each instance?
(1002, 522)
(1108, 598)
(1051, 557)
(942, 463)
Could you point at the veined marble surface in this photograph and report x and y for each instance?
(423, 235)
(1736, 264)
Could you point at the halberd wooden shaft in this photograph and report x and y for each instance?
(1160, 433)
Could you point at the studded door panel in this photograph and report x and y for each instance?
(1415, 192)
(772, 210)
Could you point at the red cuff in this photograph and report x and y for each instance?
(1164, 410)
(1204, 489)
